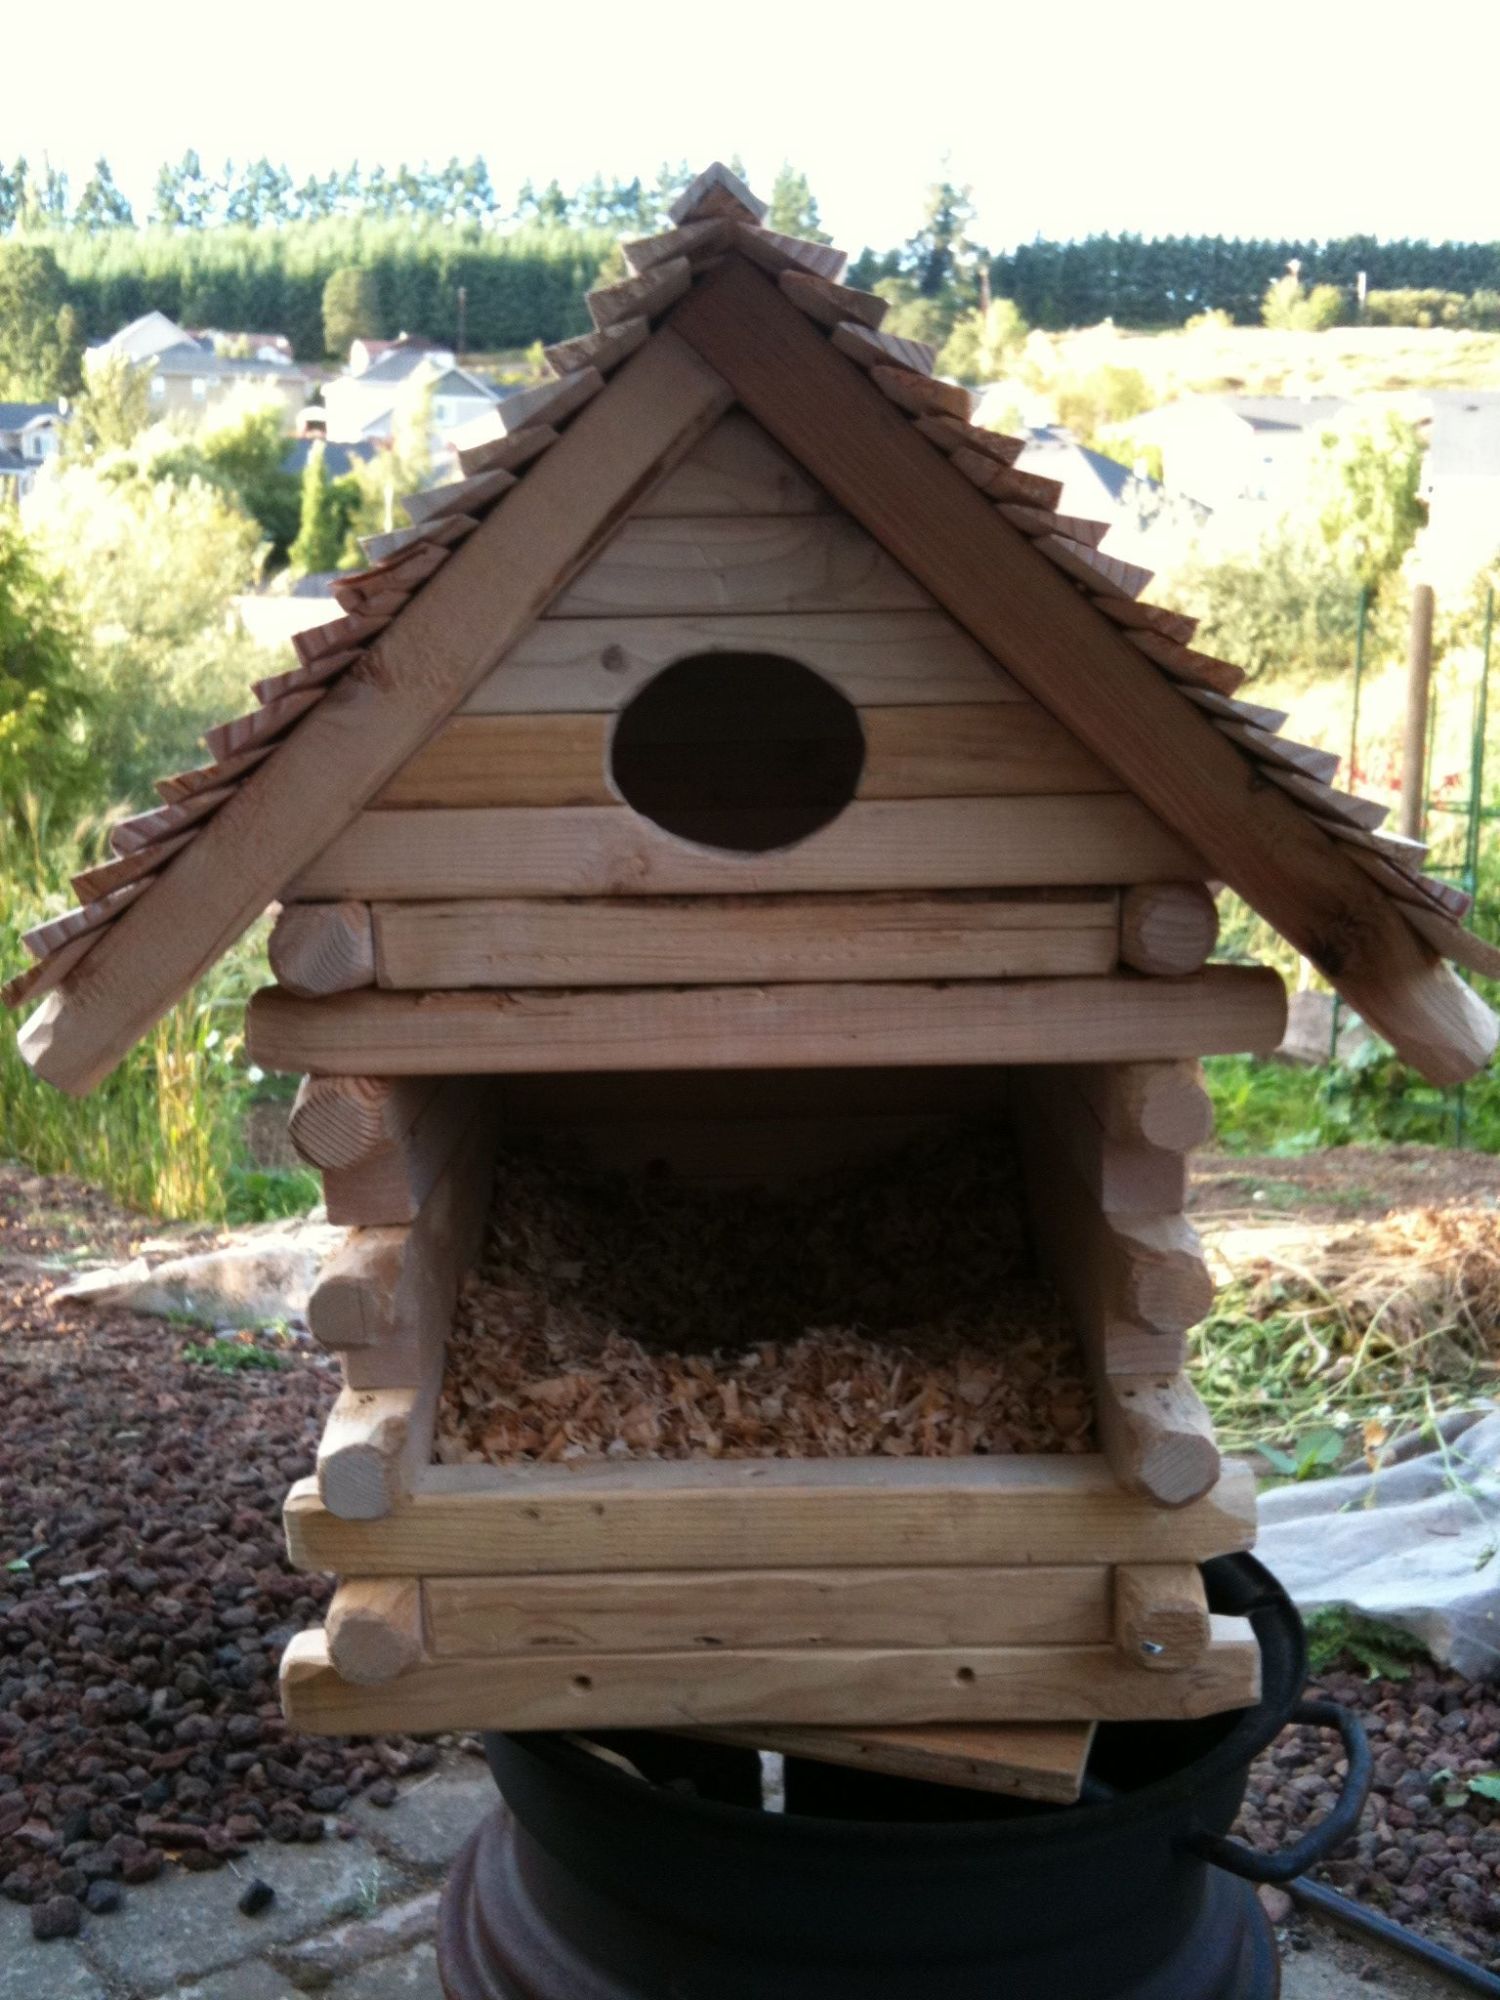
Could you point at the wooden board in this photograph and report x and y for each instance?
(713, 563)
(1003, 590)
(723, 940)
(872, 657)
(967, 750)
(654, 1690)
(1107, 1019)
(1023, 1760)
(669, 1610)
(476, 1520)
(438, 650)
(735, 470)
(419, 854)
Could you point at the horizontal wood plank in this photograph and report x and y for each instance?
(655, 1690)
(872, 657)
(694, 1514)
(1023, 1760)
(967, 750)
(1074, 840)
(529, 941)
(655, 568)
(667, 1610)
(1107, 1019)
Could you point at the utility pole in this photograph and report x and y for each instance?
(1418, 685)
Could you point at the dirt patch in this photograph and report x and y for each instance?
(1346, 1184)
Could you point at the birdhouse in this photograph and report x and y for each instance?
(741, 769)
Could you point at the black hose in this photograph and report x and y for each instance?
(1366, 1923)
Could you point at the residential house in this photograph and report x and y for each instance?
(1461, 485)
(1234, 453)
(188, 375)
(30, 434)
(1149, 523)
(368, 404)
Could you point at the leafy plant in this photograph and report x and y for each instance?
(1313, 1456)
(232, 1357)
(1384, 1651)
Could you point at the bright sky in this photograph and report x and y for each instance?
(1288, 116)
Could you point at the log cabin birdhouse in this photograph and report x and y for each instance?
(741, 771)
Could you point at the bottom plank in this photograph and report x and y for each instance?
(837, 1686)
(1021, 1760)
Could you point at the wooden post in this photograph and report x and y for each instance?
(1414, 743)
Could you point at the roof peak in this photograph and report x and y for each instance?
(718, 190)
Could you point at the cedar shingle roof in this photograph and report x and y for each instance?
(715, 218)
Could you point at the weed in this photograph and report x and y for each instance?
(1384, 1651)
(231, 1357)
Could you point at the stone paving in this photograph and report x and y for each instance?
(354, 1919)
(351, 1918)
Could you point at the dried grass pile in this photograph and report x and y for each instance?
(889, 1310)
(1411, 1277)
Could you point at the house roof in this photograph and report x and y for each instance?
(21, 416)
(338, 458)
(140, 338)
(717, 312)
(188, 358)
(1464, 442)
(397, 364)
(12, 464)
(1285, 413)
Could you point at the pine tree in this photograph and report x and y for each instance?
(40, 348)
(794, 207)
(324, 520)
(101, 205)
(351, 308)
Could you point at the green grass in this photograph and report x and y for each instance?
(164, 1133)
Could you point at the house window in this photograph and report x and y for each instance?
(158, 388)
(442, 413)
(739, 751)
(200, 388)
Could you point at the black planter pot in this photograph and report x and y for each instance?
(588, 1885)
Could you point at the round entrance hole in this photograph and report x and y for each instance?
(741, 751)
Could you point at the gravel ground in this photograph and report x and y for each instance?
(1428, 1850)
(145, 1599)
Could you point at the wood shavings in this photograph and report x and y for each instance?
(887, 1311)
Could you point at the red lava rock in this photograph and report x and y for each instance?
(56, 1917)
(1427, 1851)
(255, 1897)
(138, 1652)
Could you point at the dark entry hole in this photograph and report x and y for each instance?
(744, 751)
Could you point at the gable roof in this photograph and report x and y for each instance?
(21, 416)
(754, 318)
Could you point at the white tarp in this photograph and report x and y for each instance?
(1416, 1544)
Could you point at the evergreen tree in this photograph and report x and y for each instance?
(184, 196)
(12, 187)
(101, 205)
(940, 258)
(42, 690)
(324, 520)
(351, 308)
(44, 199)
(794, 207)
(40, 349)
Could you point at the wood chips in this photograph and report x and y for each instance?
(889, 1310)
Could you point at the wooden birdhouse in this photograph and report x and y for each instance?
(742, 767)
